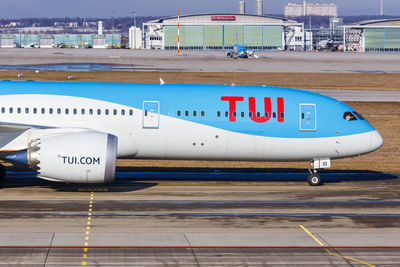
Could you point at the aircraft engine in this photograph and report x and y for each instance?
(79, 157)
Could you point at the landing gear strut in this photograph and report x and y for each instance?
(313, 178)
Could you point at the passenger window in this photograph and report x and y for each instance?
(274, 114)
(18, 110)
(226, 114)
(348, 116)
(11, 110)
(282, 115)
(186, 113)
(83, 111)
(251, 114)
(242, 114)
(194, 113)
(59, 111)
(74, 111)
(99, 112)
(130, 112)
(66, 111)
(258, 114)
(90, 111)
(218, 113)
(178, 113)
(145, 113)
(203, 113)
(43, 110)
(107, 112)
(266, 114)
(115, 112)
(50, 110)
(123, 112)
(26, 110)
(34, 110)
(3, 110)
(234, 114)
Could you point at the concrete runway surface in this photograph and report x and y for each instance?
(205, 61)
(202, 219)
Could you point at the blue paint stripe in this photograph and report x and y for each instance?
(174, 97)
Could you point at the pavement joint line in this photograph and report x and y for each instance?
(87, 231)
(328, 250)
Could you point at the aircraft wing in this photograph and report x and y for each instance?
(9, 132)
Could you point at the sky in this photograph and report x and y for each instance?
(123, 8)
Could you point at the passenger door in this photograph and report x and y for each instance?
(151, 114)
(308, 118)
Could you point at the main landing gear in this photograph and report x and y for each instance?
(313, 178)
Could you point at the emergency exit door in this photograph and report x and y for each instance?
(151, 114)
(308, 118)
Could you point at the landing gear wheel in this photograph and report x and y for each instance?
(2, 172)
(314, 179)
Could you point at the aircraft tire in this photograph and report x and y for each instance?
(314, 179)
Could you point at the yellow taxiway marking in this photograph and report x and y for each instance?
(87, 232)
(328, 250)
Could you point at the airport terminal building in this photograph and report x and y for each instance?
(373, 36)
(223, 31)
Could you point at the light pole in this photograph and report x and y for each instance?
(134, 30)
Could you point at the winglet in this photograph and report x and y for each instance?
(161, 81)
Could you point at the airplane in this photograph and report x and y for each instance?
(240, 51)
(328, 45)
(74, 131)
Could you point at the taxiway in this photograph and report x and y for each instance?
(201, 219)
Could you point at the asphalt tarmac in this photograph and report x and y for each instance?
(202, 219)
(201, 61)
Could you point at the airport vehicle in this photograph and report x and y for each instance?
(74, 131)
(240, 51)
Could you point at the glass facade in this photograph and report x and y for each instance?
(70, 40)
(219, 37)
(382, 40)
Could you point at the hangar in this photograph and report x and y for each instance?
(373, 36)
(60, 40)
(223, 31)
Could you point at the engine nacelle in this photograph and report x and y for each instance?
(78, 157)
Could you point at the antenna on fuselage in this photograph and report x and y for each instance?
(161, 81)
